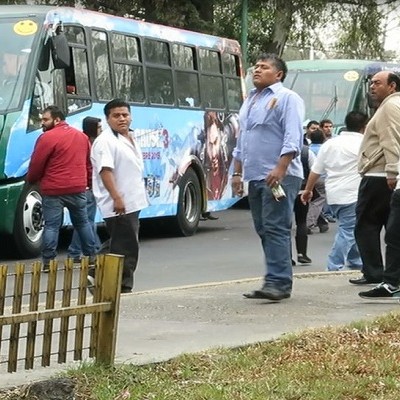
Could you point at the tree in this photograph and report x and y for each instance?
(273, 24)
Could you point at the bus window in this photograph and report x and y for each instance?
(229, 63)
(101, 63)
(233, 91)
(183, 56)
(188, 91)
(125, 47)
(186, 77)
(160, 86)
(156, 52)
(129, 82)
(77, 74)
(209, 61)
(212, 91)
(128, 69)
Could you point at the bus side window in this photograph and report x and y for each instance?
(77, 74)
(101, 63)
(232, 81)
(186, 76)
(211, 79)
(128, 68)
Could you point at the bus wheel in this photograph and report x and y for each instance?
(28, 226)
(189, 205)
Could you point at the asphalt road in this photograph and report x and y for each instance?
(222, 250)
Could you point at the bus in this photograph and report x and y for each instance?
(185, 90)
(331, 88)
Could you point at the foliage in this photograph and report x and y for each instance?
(353, 27)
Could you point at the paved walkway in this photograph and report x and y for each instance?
(161, 324)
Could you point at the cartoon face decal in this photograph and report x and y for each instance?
(25, 27)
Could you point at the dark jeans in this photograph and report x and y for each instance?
(273, 222)
(124, 240)
(392, 239)
(53, 211)
(372, 212)
(75, 247)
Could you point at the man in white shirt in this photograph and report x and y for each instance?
(337, 158)
(118, 186)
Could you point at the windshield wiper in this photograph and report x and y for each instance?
(332, 105)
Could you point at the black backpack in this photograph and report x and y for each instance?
(304, 161)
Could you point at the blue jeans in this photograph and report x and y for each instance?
(75, 247)
(344, 251)
(53, 210)
(273, 222)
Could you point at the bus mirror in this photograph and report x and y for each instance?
(44, 58)
(60, 51)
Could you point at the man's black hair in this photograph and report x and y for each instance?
(55, 112)
(278, 63)
(312, 122)
(356, 121)
(317, 137)
(393, 77)
(115, 104)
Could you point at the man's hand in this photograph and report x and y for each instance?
(306, 196)
(119, 206)
(391, 182)
(275, 176)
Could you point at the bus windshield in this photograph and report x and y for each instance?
(16, 45)
(326, 93)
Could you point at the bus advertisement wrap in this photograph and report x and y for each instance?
(185, 90)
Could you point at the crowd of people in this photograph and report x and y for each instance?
(353, 179)
(311, 177)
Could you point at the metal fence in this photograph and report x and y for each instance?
(52, 317)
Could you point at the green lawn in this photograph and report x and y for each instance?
(358, 362)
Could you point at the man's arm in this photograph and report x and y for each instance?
(237, 181)
(38, 161)
(307, 193)
(107, 176)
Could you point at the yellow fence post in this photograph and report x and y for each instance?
(108, 321)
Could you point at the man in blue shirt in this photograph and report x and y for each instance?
(267, 155)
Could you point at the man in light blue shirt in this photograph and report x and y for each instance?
(267, 155)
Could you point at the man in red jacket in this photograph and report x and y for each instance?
(60, 163)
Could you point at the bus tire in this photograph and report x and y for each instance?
(28, 224)
(189, 205)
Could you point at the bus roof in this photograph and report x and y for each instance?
(114, 23)
(368, 66)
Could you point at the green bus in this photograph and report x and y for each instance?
(331, 88)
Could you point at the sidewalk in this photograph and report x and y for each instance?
(161, 324)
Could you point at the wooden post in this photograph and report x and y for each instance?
(108, 321)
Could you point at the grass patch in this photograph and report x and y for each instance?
(359, 362)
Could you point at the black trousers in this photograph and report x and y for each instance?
(372, 212)
(300, 215)
(392, 239)
(124, 240)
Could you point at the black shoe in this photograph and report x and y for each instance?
(46, 268)
(330, 219)
(76, 260)
(363, 281)
(267, 293)
(125, 290)
(382, 291)
(293, 263)
(304, 259)
(323, 228)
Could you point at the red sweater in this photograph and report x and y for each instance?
(60, 161)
